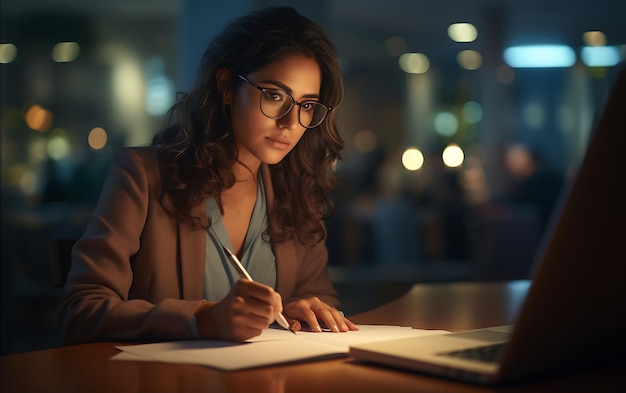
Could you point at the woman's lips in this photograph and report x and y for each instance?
(279, 143)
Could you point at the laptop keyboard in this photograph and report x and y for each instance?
(485, 354)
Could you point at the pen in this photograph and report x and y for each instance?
(243, 273)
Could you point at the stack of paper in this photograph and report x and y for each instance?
(273, 346)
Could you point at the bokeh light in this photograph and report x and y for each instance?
(472, 112)
(414, 63)
(600, 56)
(412, 159)
(446, 123)
(453, 156)
(37, 150)
(65, 52)
(97, 138)
(58, 145)
(38, 118)
(594, 38)
(8, 53)
(539, 56)
(462, 32)
(470, 59)
(159, 95)
(534, 115)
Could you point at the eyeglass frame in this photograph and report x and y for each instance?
(263, 90)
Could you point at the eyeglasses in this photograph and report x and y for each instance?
(276, 103)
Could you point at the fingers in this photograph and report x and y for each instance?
(335, 321)
(351, 326)
(229, 319)
(261, 303)
(332, 319)
(295, 324)
(318, 315)
(259, 295)
(251, 313)
(248, 308)
(311, 319)
(244, 324)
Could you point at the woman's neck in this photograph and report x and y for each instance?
(237, 204)
(245, 173)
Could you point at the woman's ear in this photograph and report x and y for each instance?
(224, 77)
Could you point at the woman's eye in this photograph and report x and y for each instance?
(275, 95)
(307, 106)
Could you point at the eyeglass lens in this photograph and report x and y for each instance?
(276, 104)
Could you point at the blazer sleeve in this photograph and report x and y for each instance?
(95, 305)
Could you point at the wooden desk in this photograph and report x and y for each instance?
(455, 306)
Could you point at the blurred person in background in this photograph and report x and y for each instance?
(535, 184)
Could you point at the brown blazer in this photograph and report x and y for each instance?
(137, 273)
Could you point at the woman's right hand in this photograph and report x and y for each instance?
(248, 308)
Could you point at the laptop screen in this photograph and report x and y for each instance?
(574, 311)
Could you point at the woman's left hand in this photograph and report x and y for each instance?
(313, 311)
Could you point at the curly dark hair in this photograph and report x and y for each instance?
(198, 149)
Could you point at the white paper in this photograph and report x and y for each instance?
(273, 346)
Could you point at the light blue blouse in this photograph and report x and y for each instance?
(258, 257)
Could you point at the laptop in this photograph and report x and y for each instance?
(574, 314)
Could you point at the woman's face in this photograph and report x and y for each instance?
(259, 138)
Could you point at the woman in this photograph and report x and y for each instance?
(245, 166)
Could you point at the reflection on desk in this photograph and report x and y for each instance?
(452, 306)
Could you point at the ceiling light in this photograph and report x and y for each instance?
(539, 56)
(600, 56)
(462, 32)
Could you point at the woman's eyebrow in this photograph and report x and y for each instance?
(282, 86)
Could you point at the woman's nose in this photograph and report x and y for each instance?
(290, 120)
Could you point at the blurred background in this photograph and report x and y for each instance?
(463, 121)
